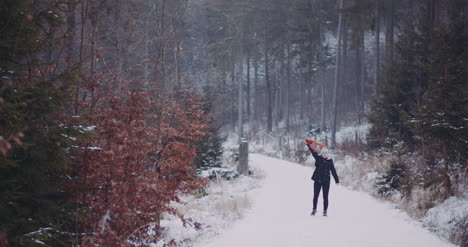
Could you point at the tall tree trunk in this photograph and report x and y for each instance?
(233, 100)
(345, 70)
(322, 79)
(389, 31)
(94, 18)
(147, 47)
(268, 87)
(71, 29)
(377, 46)
(278, 93)
(288, 82)
(84, 10)
(241, 81)
(337, 73)
(448, 183)
(358, 72)
(256, 94)
(363, 71)
(161, 61)
(309, 80)
(280, 86)
(118, 41)
(248, 84)
(322, 99)
(301, 96)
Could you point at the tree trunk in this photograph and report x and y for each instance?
(240, 78)
(322, 80)
(147, 25)
(71, 26)
(322, 99)
(277, 93)
(377, 46)
(233, 83)
(359, 75)
(280, 86)
(84, 10)
(94, 17)
(389, 31)
(363, 71)
(268, 87)
(448, 183)
(309, 80)
(288, 83)
(256, 95)
(337, 73)
(248, 84)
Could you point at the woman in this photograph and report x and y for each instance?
(321, 176)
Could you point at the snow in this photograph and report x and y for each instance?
(39, 242)
(445, 216)
(269, 143)
(225, 202)
(348, 133)
(40, 231)
(280, 216)
(69, 137)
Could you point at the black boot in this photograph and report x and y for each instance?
(324, 212)
(314, 211)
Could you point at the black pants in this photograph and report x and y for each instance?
(326, 189)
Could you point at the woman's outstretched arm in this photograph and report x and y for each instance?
(335, 175)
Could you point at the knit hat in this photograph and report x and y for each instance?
(324, 152)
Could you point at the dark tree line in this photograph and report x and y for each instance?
(100, 120)
(422, 98)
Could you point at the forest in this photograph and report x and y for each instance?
(110, 109)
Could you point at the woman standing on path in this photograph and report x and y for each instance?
(321, 176)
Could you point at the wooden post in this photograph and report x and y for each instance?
(243, 167)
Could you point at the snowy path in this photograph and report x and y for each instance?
(280, 216)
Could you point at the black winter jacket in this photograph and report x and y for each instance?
(323, 167)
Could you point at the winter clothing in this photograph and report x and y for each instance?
(323, 168)
(308, 140)
(321, 177)
(326, 189)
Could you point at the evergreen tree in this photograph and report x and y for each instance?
(422, 101)
(401, 91)
(210, 149)
(442, 117)
(35, 91)
(393, 180)
(441, 121)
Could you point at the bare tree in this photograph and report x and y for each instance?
(337, 75)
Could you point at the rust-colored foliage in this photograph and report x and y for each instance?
(137, 163)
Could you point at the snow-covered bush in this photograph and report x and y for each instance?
(392, 180)
(450, 219)
(223, 202)
(218, 173)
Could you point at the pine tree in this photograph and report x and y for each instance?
(392, 180)
(422, 101)
(401, 90)
(441, 120)
(210, 149)
(35, 91)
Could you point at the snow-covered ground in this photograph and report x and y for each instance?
(280, 216)
(222, 203)
(448, 218)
